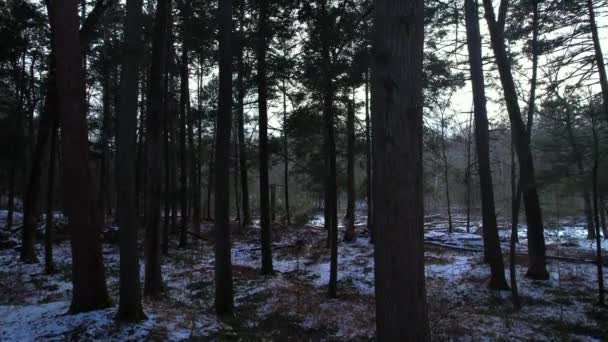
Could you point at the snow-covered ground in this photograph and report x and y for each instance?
(294, 303)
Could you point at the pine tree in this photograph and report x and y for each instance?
(398, 39)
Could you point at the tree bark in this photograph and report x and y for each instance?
(350, 234)
(514, 238)
(224, 301)
(492, 249)
(184, 132)
(30, 206)
(152, 252)
(603, 217)
(398, 40)
(446, 171)
(286, 156)
(368, 164)
(468, 172)
(331, 199)
(49, 265)
(88, 274)
(241, 121)
(537, 268)
(17, 149)
(263, 140)
(105, 129)
(598, 240)
(211, 170)
(129, 306)
(599, 56)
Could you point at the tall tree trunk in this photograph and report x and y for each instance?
(446, 171)
(514, 239)
(141, 146)
(224, 301)
(263, 130)
(153, 278)
(17, 148)
(598, 240)
(168, 193)
(199, 150)
(49, 265)
(350, 234)
(11, 195)
(531, 99)
(105, 129)
(599, 56)
(173, 170)
(482, 142)
(286, 156)
(330, 150)
(398, 40)
(88, 274)
(184, 132)
(603, 217)
(211, 170)
(129, 306)
(468, 172)
(240, 85)
(236, 174)
(368, 164)
(196, 206)
(30, 206)
(536, 241)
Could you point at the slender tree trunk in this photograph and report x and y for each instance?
(368, 164)
(468, 172)
(536, 241)
(129, 306)
(599, 56)
(330, 151)
(17, 148)
(173, 170)
(241, 121)
(603, 217)
(196, 206)
(398, 40)
(286, 156)
(532, 99)
(153, 277)
(211, 171)
(492, 249)
(11, 195)
(49, 265)
(141, 147)
(88, 274)
(236, 173)
(446, 172)
(183, 115)
(350, 234)
(30, 206)
(168, 184)
(513, 239)
(266, 237)
(598, 240)
(224, 301)
(105, 130)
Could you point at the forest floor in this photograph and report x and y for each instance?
(293, 304)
